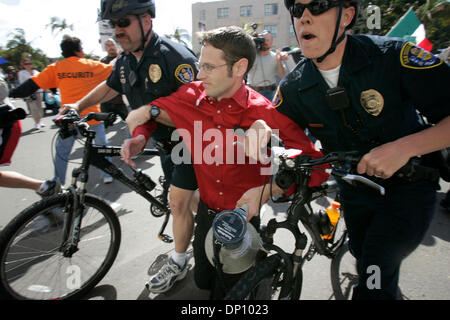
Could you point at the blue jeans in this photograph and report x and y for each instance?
(64, 148)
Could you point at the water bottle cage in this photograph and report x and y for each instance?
(321, 219)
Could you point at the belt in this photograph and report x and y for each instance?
(271, 87)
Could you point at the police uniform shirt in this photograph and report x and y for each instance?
(163, 68)
(385, 80)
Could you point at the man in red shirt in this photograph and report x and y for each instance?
(206, 113)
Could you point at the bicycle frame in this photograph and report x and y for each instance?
(299, 210)
(96, 156)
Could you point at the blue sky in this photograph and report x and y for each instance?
(34, 15)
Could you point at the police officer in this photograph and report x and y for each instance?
(357, 92)
(151, 67)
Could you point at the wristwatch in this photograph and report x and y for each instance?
(154, 112)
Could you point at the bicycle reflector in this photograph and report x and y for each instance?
(239, 240)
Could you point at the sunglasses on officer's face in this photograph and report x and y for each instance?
(316, 7)
(122, 22)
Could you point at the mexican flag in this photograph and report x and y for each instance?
(410, 28)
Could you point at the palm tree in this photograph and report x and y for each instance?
(59, 25)
(181, 36)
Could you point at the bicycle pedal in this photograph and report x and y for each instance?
(165, 238)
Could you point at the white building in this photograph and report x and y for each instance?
(270, 15)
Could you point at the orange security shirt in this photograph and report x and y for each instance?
(75, 77)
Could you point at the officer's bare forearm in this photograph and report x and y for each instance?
(428, 140)
(101, 93)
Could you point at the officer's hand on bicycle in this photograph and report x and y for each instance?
(65, 108)
(383, 161)
(132, 147)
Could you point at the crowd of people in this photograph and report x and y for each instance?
(348, 92)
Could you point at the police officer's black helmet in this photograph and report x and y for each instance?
(347, 3)
(114, 9)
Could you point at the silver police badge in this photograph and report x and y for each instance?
(154, 73)
(372, 101)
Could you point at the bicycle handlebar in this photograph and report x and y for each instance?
(73, 118)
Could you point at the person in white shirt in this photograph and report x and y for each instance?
(268, 68)
(34, 102)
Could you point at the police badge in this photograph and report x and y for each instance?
(154, 73)
(372, 101)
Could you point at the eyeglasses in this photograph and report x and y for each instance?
(122, 22)
(316, 7)
(28, 64)
(207, 68)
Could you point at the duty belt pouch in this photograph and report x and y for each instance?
(440, 160)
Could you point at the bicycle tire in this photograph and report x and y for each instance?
(248, 283)
(32, 267)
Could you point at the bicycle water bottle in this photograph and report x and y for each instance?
(334, 213)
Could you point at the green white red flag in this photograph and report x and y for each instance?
(410, 28)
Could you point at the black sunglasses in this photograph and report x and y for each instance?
(122, 22)
(316, 7)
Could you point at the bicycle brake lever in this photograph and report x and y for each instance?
(352, 177)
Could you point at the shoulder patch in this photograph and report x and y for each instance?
(277, 98)
(184, 73)
(414, 57)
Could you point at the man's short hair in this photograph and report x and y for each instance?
(234, 42)
(111, 40)
(69, 46)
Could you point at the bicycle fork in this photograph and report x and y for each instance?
(72, 223)
(293, 264)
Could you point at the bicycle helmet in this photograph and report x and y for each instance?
(114, 9)
(342, 4)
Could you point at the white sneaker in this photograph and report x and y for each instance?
(42, 124)
(37, 126)
(166, 277)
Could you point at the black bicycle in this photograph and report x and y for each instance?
(276, 273)
(62, 246)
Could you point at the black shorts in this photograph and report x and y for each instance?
(180, 175)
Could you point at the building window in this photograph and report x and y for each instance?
(223, 13)
(271, 9)
(272, 28)
(246, 11)
(202, 15)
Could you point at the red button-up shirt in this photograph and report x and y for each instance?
(206, 125)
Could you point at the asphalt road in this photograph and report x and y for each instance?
(425, 274)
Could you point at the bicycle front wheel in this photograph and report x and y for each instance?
(258, 283)
(33, 264)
